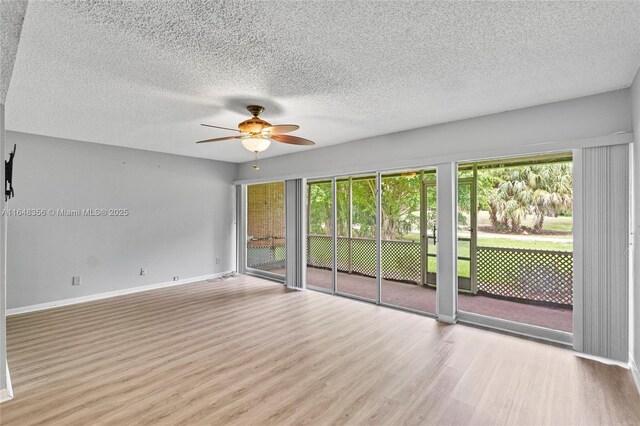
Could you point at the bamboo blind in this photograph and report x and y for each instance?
(265, 215)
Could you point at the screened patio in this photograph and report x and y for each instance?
(516, 268)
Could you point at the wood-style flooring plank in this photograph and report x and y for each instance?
(248, 351)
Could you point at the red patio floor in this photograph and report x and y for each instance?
(423, 298)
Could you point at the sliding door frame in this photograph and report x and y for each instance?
(334, 237)
(350, 235)
(528, 330)
(446, 309)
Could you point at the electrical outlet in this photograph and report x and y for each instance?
(176, 278)
(76, 280)
(218, 260)
(143, 271)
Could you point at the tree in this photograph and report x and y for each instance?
(320, 208)
(400, 202)
(510, 193)
(551, 191)
(400, 207)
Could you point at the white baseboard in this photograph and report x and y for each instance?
(106, 295)
(448, 319)
(603, 360)
(635, 372)
(7, 394)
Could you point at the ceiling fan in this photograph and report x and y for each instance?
(256, 134)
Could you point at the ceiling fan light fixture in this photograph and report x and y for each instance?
(256, 134)
(256, 143)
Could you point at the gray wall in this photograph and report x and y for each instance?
(11, 18)
(4, 382)
(181, 218)
(635, 312)
(591, 116)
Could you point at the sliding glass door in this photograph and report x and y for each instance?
(374, 237)
(356, 229)
(515, 240)
(344, 243)
(408, 234)
(320, 235)
(266, 229)
(466, 234)
(428, 228)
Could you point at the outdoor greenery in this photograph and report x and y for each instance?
(518, 199)
(509, 194)
(320, 209)
(518, 207)
(400, 207)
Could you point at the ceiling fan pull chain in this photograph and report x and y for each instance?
(255, 165)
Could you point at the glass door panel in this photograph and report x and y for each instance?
(356, 222)
(319, 235)
(521, 267)
(466, 236)
(429, 230)
(404, 236)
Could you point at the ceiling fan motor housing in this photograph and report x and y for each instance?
(253, 125)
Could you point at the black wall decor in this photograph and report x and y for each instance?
(8, 175)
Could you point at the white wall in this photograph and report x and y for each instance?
(536, 128)
(635, 300)
(180, 220)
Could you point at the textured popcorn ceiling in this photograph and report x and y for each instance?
(145, 74)
(11, 17)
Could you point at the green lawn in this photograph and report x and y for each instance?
(493, 240)
(563, 241)
(553, 224)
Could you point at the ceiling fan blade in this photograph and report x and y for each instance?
(220, 139)
(293, 140)
(218, 127)
(281, 128)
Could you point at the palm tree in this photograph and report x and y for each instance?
(550, 188)
(509, 203)
(541, 190)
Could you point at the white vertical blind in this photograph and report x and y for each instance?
(241, 229)
(447, 271)
(295, 232)
(601, 262)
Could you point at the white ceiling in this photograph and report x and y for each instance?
(11, 17)
(146, 74)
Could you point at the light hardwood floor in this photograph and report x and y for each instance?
(247, 351)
